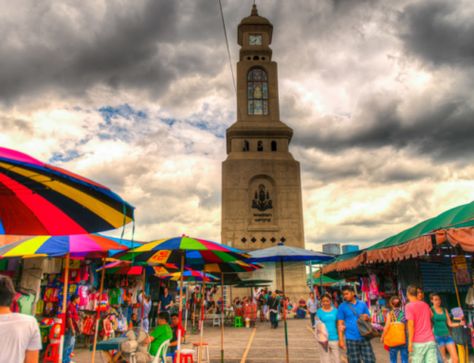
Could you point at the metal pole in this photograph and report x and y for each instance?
(203, 311)
(142, 313)
(180, 310)
(222, 318)
(96, 332)
(284, 311)
(65, 295)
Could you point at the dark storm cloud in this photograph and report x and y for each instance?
(146, 46)
(439, 32)
(442, 130)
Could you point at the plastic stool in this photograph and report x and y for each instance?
(205, 347)
(186, 356)
(52, 353)
(238, 322)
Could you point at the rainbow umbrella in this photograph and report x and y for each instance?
(119, 267)
(184, 251)
(191, 275)
(90, 245)
(41, 199)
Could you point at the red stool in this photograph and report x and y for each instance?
(52, 353)
(186, 356)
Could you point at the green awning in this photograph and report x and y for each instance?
(455, 226)
(326, 280)
(461, 216)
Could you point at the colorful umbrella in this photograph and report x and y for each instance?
(196, 252)
(184, 251)
(282, 253)
(56, 246)
(41, 199)
(127, 268)
(189, 276)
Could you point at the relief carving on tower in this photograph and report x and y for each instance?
(262, 201)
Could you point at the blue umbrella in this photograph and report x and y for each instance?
(282, 253)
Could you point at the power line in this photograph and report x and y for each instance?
(227, 45)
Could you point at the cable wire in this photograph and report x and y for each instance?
(227, 45)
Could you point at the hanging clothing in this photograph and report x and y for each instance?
(25, 303)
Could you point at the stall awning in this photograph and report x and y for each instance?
(346, 261)
(455, 226)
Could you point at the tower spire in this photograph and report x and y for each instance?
(254, 10)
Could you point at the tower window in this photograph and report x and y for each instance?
(257, 92)
(245, 146)
(274, 145)
(260, 146)
(255, 57)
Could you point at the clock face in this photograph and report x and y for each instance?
(255, 39)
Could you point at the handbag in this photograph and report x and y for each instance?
(321, 334)
(396, 334)
(365, 328)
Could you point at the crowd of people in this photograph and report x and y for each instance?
(415, 329)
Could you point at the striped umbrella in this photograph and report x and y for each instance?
(41, 199)
(191, 275)
(195, 252)
(89, 245)
(127, 268)
(184, 251)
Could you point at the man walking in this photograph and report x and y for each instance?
(421, 340)
(358, 348)
(274, 305)
(20, 340)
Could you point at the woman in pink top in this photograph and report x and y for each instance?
(421, 341)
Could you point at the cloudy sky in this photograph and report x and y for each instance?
(137, 95)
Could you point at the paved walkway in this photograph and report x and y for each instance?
(258, 345)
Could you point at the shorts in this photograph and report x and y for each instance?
(442, 341)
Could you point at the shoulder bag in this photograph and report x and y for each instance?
(396, 334)
(365, 328)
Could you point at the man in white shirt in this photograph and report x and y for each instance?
(20, 340)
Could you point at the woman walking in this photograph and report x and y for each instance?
(441, 324)
(328, 315)
(396, 316)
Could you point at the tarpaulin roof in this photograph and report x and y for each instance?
(455, 226)
(417, 240)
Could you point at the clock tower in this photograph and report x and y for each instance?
(261, 182)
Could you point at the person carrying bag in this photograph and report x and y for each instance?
(394, 334)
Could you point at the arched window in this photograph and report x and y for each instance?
(260, 145)
(245, 146)
(274, 145)
(257, 92)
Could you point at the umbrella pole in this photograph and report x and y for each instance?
(142, 313)
(222, 318)
(65, 295)
(186, 310)
(97, 319)
(284, 311)
(180, 310)
(203, 310)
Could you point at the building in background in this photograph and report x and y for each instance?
(350, 248)
(332, 248)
